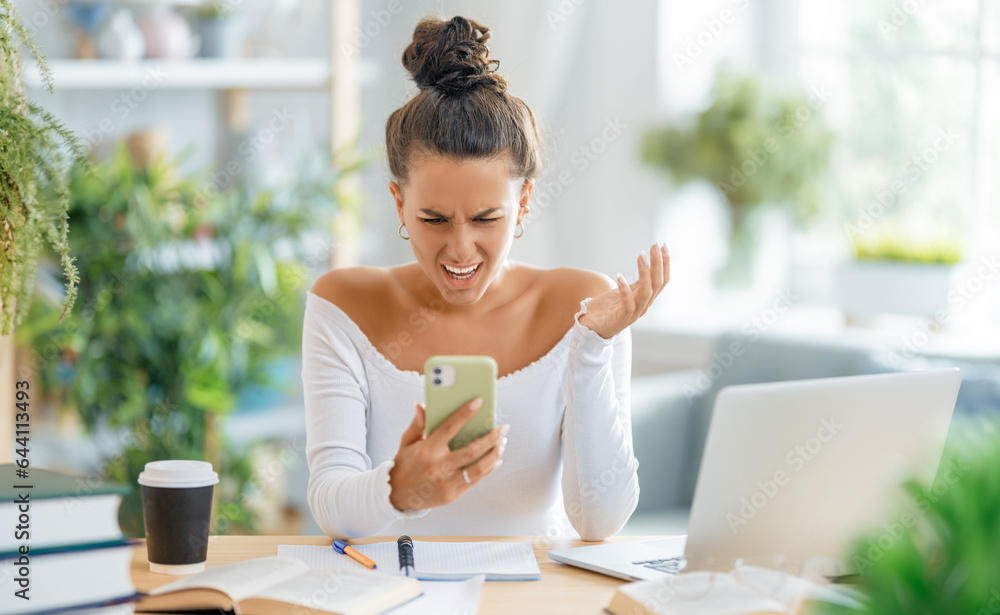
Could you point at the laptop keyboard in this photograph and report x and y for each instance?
(669, 565)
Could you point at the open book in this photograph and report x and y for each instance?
(757, 592)
(267, 585)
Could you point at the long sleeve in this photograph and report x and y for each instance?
(347, 496)
(600, 484)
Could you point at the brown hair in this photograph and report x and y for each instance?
(463, 109)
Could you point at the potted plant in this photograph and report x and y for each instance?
(36, 153)
(217, 28)
(759, 145)
(187, 301)
(895, 272)
(87, 16)
(939, 555)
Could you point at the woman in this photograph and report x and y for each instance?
(464, 153)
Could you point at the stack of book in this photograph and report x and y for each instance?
(61, 546)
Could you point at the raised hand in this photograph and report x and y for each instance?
(426, 473)
(612, 311)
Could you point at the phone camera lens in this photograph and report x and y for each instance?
(437, 381)
(437, 370)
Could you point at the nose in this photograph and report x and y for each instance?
(462, 242)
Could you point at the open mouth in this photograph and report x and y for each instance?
(461, 273)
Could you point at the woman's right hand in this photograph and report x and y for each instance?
(426, 473)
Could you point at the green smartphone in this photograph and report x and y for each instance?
(452, 380)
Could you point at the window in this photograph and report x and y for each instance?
(916, 104)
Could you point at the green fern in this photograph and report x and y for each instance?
(36, 153)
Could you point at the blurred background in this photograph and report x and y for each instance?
(824, 175)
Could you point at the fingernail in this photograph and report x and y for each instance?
(503, 431)
(645, 259)
(476, 404)
(498, 464)
(503, 443)
(621, 280)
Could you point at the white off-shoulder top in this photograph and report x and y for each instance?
(568, 463)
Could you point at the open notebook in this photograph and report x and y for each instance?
(435, 561)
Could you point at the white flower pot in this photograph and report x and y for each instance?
(866, 289)
(220, 37)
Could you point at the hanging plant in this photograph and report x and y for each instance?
(36, 154)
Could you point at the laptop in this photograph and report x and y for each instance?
(797, 469)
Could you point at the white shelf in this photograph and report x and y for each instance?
(190, 74)
(148, 3)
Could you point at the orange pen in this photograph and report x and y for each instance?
(342, 547)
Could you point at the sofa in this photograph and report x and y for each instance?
(671, 411)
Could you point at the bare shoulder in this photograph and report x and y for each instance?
(577, 283)
(352, 289)
(563, 288)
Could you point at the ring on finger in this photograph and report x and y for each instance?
(465, 475)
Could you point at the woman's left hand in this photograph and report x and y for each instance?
(612, 311)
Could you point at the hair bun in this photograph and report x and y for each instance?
(451, 56)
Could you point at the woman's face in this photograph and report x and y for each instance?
(461, 215)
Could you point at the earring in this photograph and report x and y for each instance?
(400, 232)
(519, 226)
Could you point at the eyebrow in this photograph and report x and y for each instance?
(431, 212)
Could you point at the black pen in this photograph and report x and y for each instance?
(405, 554)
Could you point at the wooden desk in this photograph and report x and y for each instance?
(563, 589)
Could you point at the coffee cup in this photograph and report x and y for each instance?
(177, 511)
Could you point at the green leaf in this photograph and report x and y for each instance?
(265, 269)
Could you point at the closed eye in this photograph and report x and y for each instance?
(438, 221)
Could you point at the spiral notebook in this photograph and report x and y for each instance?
(435, 561)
